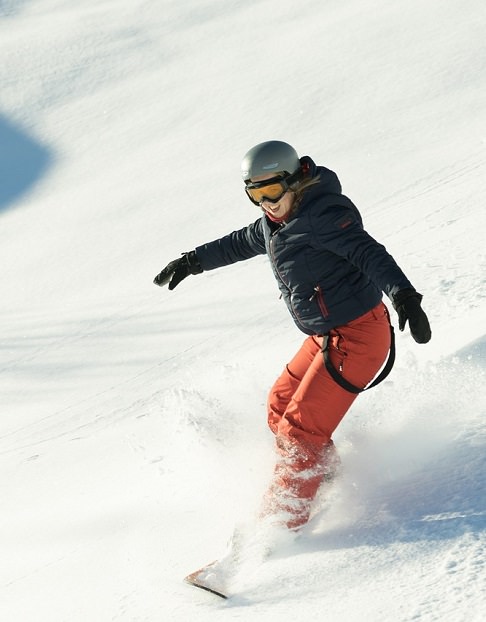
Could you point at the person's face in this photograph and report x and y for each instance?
(282, 207)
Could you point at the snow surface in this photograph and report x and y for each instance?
(133, 431)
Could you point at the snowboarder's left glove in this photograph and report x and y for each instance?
(407, 305)
(177, 270)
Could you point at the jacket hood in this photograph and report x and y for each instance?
(328, 180)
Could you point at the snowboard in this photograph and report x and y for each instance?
(248, 549)
(207, 578)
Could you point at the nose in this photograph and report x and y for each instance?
(269, 205)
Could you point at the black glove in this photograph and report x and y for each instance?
(177, 270)
(407, 305)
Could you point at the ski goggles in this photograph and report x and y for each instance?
(271, 190)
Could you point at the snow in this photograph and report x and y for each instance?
(132, 431)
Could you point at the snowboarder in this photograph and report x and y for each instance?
(332, 275)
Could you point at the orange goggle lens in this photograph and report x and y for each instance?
(271, 192)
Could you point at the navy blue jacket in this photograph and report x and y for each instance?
(328, 268)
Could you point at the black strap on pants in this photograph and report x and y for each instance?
(348, 386)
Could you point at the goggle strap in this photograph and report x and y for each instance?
(295, 177)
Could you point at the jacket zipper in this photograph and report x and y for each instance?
(320, 301)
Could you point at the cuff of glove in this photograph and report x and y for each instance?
(402, 295)
(193, 263)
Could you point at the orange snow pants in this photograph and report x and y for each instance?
(306, 405)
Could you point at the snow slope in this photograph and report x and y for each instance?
(132, 423)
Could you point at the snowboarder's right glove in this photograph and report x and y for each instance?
(407, 305)
(177, 270)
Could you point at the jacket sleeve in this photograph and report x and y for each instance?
(236, 246)
(339, 229)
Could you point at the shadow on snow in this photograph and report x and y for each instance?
(23, 161)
